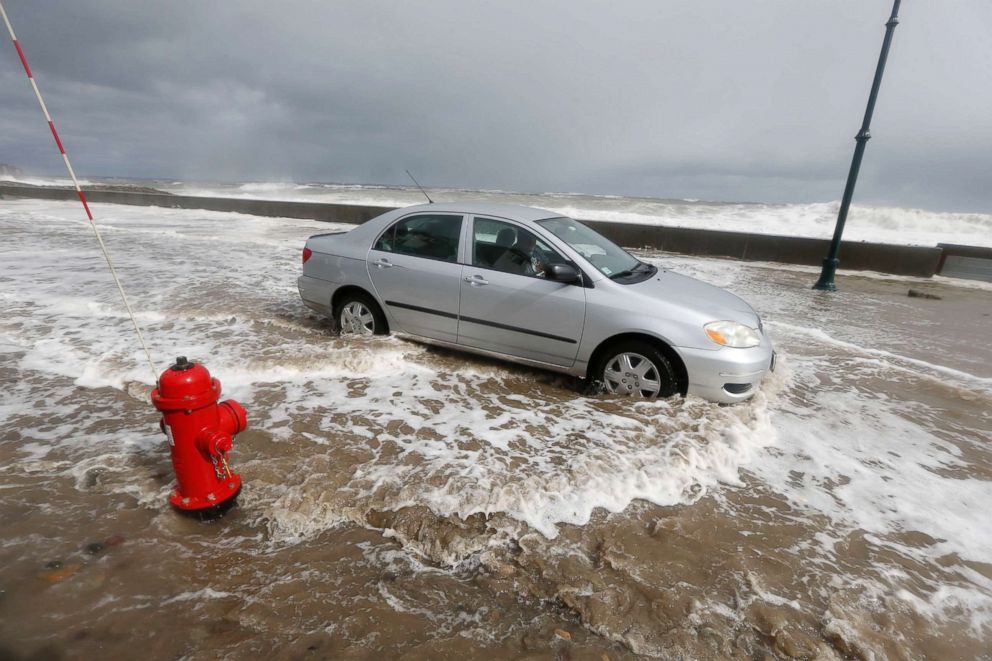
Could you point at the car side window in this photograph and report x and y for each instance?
(510, 248)
(385, 242)
(431, 236)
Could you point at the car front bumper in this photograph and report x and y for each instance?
(727, 375)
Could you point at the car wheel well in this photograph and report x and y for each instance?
(681, 374)
(347, 290)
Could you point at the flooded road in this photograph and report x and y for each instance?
(408, 502)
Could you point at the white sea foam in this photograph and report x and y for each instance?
(865, 223)
(718, 264)
(199, 596)
(891, 360)
(43, 181)
(585, 456)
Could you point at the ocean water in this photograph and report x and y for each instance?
(865, 223)
(409, 502)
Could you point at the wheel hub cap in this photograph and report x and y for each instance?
(357, 319)
(632, 374)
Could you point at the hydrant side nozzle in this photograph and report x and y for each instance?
(215, 443)
(233, 417)
(224, 444)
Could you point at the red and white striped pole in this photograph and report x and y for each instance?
(79, 191)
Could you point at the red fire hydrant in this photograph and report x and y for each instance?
(200, 432)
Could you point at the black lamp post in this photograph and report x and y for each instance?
(826, 281)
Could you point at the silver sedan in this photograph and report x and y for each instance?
(533, 287)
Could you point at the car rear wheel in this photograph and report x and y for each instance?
(636, 369)
(358, 314)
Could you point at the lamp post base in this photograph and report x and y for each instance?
(826, 281)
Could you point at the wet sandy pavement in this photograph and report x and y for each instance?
(406, 502)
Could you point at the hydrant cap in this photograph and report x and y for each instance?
(182, 363)
(185, 380)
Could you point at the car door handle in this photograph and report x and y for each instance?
(383, 264)
(476, 280)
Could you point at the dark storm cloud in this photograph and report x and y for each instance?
(724, 100)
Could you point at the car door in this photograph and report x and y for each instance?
(415, 271)
(506, 304)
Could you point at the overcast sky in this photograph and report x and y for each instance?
(713, 99)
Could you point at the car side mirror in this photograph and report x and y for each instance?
(565, 273)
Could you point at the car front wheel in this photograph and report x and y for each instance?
(358, 314)
(636, 369)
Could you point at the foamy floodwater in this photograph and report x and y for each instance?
(817, 220)
(406, 500)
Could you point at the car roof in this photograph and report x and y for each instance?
(509, 211)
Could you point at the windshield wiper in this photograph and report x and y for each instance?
(631, 271)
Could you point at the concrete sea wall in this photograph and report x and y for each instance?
(961, 261)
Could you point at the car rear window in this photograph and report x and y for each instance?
(430, 235)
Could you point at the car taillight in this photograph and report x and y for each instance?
(306, 254)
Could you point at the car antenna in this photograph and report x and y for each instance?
(420, 187)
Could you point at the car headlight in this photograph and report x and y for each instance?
(732, 334)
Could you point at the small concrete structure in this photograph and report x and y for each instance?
(968, 262)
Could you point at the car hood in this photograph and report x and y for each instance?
(697, 295)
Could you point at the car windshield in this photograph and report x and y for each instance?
(607, 257)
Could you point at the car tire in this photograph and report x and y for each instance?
(635, 368)
(358, 314)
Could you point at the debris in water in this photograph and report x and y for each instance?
(58, 572)
(564, 635)
(114, 540)
(916, 293)
(94, 548)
